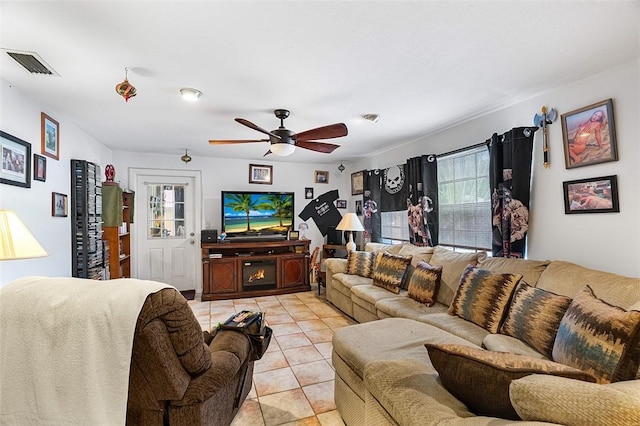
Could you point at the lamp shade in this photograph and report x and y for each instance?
(350, 222)
(16, 241)
(282, 149)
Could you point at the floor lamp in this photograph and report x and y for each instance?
(351, 223)
(16, 241)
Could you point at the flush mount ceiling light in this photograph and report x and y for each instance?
(372, 117)
(189, 94)
(282, 149)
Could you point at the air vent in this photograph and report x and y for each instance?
(32, 62)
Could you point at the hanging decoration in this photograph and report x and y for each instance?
(126, 89)
(186, 157)
(542, 120)
(341, 167)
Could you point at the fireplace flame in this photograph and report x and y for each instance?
(257, 276)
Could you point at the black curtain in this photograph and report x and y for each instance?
(370, 210)
(422, 200)
(510, 178)
(394, 191)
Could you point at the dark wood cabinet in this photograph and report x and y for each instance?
(234, 269)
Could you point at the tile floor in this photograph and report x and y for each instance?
(293, 382)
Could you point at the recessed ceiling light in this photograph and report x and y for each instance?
(189, 94)
(372, 117)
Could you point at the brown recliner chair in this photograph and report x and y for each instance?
(179, 378)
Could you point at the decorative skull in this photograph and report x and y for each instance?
(393, 179)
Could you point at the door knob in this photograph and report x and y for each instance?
(192, 242)
(191, 234)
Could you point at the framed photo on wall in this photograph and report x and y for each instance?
(321, 176)
(39, 168)
(357, 183)
(595, 195)
(50, 136)
(308, 193)
(341, 204)
(259, 173)
(16, 161)
(589, 135)
(58, 205)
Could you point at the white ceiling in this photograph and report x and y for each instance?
(421, 65)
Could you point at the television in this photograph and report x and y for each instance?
(259, 215)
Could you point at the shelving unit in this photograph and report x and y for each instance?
(87, 257)
(119, 238)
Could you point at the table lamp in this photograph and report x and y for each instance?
(16, 241)
(351, 223)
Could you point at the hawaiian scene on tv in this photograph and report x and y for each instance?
(265, 213)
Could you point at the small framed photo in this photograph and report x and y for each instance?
(58, 205)
(293, 235)
(308, 193)
(341, 204)
(589, 135)
(595, 195)
(321, 176)
(39, 168)
(259, 173)
(16, 161)
(357, 183)
(50, 136)
(359, 207)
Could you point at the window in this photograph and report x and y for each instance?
(464, 199)
(394, 227)
(166, 211)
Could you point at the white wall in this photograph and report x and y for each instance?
(609, 242)
(20, 117)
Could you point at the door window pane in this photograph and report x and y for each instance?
(166, 211)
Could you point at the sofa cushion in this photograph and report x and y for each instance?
(534, 316)
(366, 296)
(453, 265)
(599, 338)
(405, 307)
(481, 378)
(456, 326)
(418, 254)
(483, 296)
(424, 283)
(504, 343)
(343, 283)
(576, 403)
(530, 269)
(361, 263)
(390, 271)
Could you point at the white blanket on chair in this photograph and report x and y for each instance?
(65, 349)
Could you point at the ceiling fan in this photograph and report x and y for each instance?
(284, 141)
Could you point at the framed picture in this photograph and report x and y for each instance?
(39, 168)
(341, 204)
(596, 195)
(589, 135)
(58, 205)
(359, 207)
(259, 173)
(50, 136)
(357, 183)
(308, 193)
(321, 176)
(293, 235)
(16, 161)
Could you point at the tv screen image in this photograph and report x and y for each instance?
(250, 213)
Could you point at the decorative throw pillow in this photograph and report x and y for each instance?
(390, 271)
(483, 296)
(453, 265)
(480, 379)
(361, 263)
(599, 338)
(424, 283)
(534, 316)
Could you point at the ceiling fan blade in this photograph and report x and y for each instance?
(267, 153)
(232, 141)
(256, 127)
(323, 147)
(331, 131)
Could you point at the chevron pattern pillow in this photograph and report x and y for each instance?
(390, 271)
(425, 283)
(361, 263)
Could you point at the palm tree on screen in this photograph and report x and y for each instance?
(243, 203)
(280, 204)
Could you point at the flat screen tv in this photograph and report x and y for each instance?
(252, 214)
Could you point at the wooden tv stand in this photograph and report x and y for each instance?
(223, 265)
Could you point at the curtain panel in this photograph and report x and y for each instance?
(371, 220)
(422, 200)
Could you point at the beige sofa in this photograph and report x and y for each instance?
(383, 372)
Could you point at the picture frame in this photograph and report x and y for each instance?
(357, 183)
(59, 207)
(39, 168)
(50, 136)
(293, 235)
(594, 195)
(589, 135)
(308, 193)
(358, 207)
(261, 174)
(16, 161)
(321, 176)
(341, 204)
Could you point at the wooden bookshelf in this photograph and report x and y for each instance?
(119, 238)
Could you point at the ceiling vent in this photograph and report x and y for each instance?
(32, 62)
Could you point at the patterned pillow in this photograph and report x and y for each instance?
(480, 379)
(483, 296)
(424, 283)
(534, 316)
(361, 263)
(390, 271)
(599, 338)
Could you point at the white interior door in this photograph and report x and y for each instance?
(167, 221)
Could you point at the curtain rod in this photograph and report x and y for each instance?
(478, 145)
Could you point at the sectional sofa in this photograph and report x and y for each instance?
(505, 341)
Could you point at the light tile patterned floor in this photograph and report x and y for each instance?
(293, 382)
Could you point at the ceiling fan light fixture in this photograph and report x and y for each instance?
(372, 117)
(189, 94)
(282, 149)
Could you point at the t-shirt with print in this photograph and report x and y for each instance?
(323, 211)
